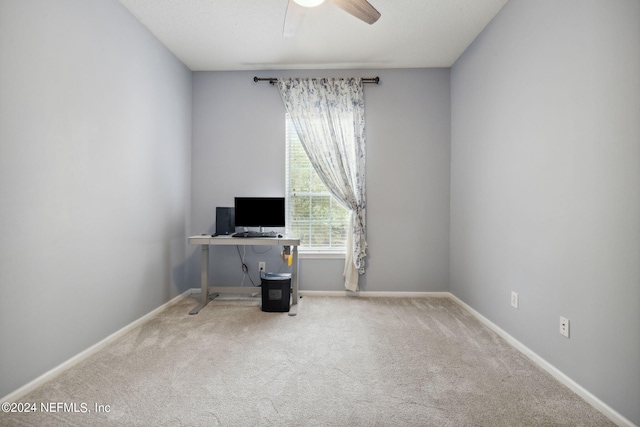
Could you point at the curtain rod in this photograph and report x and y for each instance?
(273, 80)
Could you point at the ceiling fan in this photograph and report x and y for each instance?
(296, 9)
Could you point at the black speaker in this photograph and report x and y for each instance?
(225, 221)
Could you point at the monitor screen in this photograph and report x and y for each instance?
(259, 211)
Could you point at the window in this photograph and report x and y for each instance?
(313, 214)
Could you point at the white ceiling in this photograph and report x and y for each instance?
(247, 34)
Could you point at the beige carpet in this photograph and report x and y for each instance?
(343, 361)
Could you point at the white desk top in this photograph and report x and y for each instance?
(229, 240)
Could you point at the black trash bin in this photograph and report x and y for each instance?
(276, 292)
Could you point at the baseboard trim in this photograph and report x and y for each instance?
(388, 294)
(598, 404)
(31, 386)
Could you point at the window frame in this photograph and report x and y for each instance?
(326, 252)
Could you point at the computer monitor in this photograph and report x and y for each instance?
(259, 212)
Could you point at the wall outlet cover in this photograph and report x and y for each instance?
(564, 326)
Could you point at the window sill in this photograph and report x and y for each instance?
(311, 254)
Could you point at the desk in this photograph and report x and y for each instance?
(206, 241)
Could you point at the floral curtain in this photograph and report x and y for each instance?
(328, 115)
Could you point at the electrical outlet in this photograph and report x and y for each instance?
(514, 299)
(564, 326)
(262, 267)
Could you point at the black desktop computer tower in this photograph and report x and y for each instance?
(276, 292)
(225, 221)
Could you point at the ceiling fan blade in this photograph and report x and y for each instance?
(361, 9)
(293, 18)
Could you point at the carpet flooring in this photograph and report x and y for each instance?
(342, 361)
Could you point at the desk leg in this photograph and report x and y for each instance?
(293, 309)
(204, 279)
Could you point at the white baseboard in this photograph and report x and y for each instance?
(29, 387)
(375, 294)
(598, 404)
(196, 292)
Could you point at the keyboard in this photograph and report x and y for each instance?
(255, 234)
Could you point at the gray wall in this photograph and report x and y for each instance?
(239, 150)
(545, 198)
(97, 168)
(95, 130)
